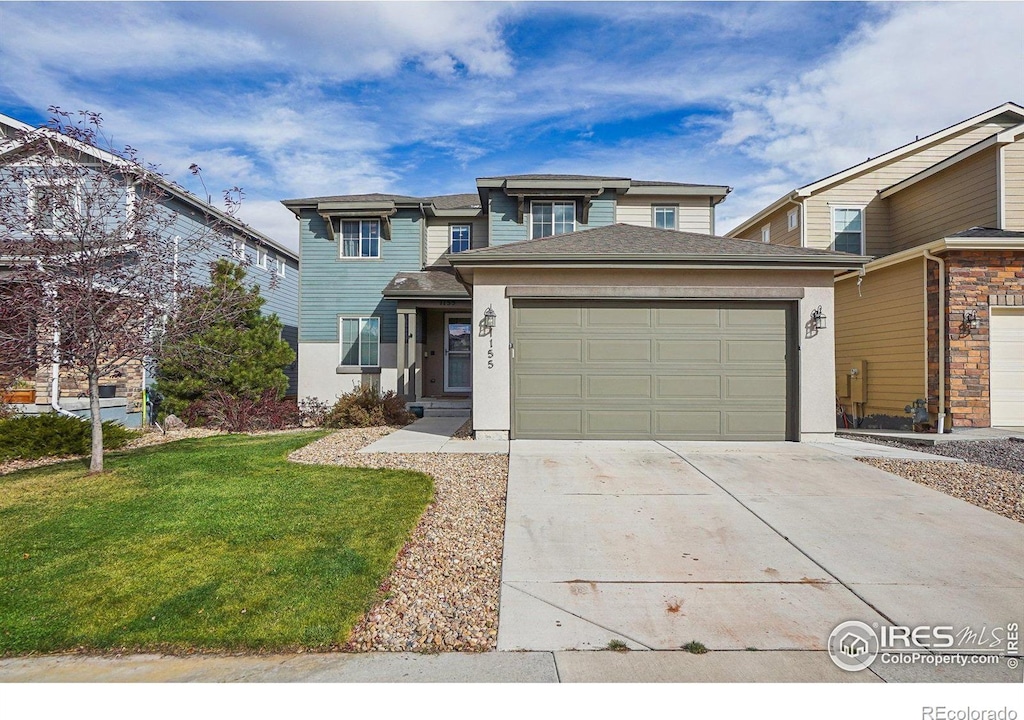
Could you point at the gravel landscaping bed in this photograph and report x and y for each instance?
(1005, 454)
(443, 592)
(993, 488)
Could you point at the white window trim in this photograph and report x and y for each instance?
(238, 248)
(263, 258)
(341, 239)
(793, 219)
(552, 203)
(34, 184)
(359, 342)
(766, 233)
(863, 224)
(280, 265)
(451, 240)
(665, 206)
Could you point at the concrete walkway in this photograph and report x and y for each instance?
(960, 435)
(434, 435)
(764, 546)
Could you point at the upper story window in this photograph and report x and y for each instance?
(51, 205)
(665, 217)
(238, 248)
(460, 236)
(848, 230)
(766, 233)
(280, 265)
(552, 218)
(262, 258)
(360, 238)
(793, 219)
(360, 341)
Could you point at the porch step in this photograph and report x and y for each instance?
(443, 407)
(445, 412)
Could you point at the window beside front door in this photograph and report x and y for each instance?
(552, 218)
(458, 361)
(848, 230)
(460, 240)
(360, 341)
(360, 238)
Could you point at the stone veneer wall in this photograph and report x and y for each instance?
(975, 280)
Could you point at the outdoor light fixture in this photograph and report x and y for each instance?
(970, 323)
(818, 319)
(490, 318)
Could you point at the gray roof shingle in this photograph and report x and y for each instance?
(429, 282)
(980, 232)
(442, 202)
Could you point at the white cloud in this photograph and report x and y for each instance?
(920, 68)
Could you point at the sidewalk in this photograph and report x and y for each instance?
(434, 434)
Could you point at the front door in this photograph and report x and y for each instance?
(457, 353)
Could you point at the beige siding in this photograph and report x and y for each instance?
(780, 233)
(884, 325)
(438, 237)
(694, 212)
(862, 190)
(1013, 185)
(960, 197)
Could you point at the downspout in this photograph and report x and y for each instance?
(941, 420)
(55, 379)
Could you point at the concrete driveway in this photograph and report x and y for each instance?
(740, 546)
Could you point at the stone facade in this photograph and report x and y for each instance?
(975, 280)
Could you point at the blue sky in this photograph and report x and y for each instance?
(296, 99)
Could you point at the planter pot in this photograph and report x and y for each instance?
(108, 391)
(20, 396)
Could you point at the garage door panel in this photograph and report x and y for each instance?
(669, 351)
(549, 317)
(610, 350)
(760, 387)
(618, 317)
(540, 386)
(654, 369)
(553, 350)
(620, 423)
(687, 317)
(636, 387)
(755, 351)
(671, 387)
(688, 424)
(549, 423)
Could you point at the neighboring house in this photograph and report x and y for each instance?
(938, 315)
(268, 264)
(567, 306)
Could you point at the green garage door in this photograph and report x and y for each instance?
(642, 370)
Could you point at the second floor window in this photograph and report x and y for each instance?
(665, 217)
(262, 259)
(553, 218)
(238, 248)
(360, 238)
(460, 238)
(766, 233)
(848, 230)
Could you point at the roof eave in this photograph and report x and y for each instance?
(747, 261)
(713, 190)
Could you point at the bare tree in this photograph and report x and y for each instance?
(95, 249)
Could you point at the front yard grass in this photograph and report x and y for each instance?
(211, 544)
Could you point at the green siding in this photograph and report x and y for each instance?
(330, 286)
(504, 211)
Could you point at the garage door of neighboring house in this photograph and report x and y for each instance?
(652, 370)
(1006, 366)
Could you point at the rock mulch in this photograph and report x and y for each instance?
(996, 489)
(1005, 454)
(465, 431)
(443, 592)
(147, 439)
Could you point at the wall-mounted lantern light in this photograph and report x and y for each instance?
(490, 319)
(970, 323)
(818, 319)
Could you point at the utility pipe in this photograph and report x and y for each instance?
(941, 423)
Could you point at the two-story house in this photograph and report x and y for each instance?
(270, 265)
(568, 306)
(938, 314)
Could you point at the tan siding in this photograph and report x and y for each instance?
(960, 197)
(863, 189)
(694, 212)
(1013, 188)
(884, 325)
(438, 237)
(780, 234)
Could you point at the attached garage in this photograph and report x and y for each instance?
(631, 333)
(652, 370)
(1006, 366)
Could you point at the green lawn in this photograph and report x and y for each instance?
(218, 543)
